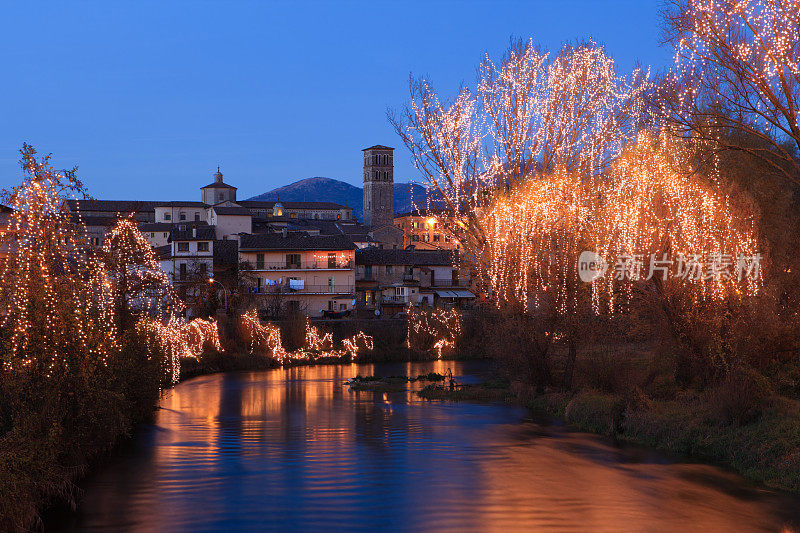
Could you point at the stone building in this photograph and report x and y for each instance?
(378, 186)
(218, 191)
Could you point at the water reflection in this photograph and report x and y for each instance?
(294, 449)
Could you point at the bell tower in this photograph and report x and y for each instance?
(378, 186)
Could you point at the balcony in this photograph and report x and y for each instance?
(450, 283)
(285, 290)
(310, 265)
(395, 300)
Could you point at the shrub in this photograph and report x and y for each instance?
(741, 397)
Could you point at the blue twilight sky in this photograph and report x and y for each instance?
(147, 98)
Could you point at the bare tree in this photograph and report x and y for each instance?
(737, 77)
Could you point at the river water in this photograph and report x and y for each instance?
(296, 450)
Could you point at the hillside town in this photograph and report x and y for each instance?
(563, 295)
(284, 256)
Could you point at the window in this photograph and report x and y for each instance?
(436, 237)
(455, 277)
(260, 261)
(183, 270)
(197, 217)
(426, 237)
(167, 216)
(330, 284)
(183, 246)
(152, 235)
(388, 270)
(292, 215)
(415, 237)
(165, 234)
(368, 272)
(368, 298)
(331, 305)
(203, 271)
(415, 224)
(332, 260)
(292, 260)
(183, 216)
(342, 307)
(220, 197)
(202, 246)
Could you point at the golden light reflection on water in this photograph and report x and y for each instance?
(295, 449)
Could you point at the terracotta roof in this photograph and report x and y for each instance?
(379, 256)
(295, 242)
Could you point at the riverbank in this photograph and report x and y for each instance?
(763, 445)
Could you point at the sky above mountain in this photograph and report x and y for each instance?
(406, 196)
(147, 98)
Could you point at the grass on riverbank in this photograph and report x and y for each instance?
(765, 449)
(740, 423)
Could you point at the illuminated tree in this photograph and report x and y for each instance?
(138, 283)
(531, 115)
(55, 298)
(737, 77)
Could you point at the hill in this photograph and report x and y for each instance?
(319, 189)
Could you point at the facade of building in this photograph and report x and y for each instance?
(306, 272)
(378, 185)
(189, 255)
(426, 230)
(230, 221)
(388, 281)
(156, 233)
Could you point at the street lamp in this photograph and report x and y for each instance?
(224, 291)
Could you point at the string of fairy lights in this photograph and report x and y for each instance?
(266, 339)
(759, 38)
(434, 330)
(548, 159)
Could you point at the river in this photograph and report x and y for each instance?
(295, 450)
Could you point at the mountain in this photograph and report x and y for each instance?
(320, 189)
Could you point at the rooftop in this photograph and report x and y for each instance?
(378, 147)
(379, 256)
(218, 185)
(295, 242)
(231, 210)
(181, 204)
(269, 204)
(112, 206)
(155, 226)
(185, 232)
